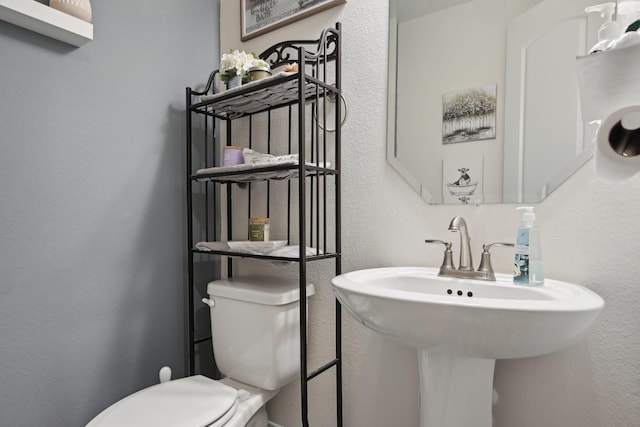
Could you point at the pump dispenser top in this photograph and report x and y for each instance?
(527, 269)
(528, 217)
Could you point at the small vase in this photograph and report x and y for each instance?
(81, 9)
(234, 82)
(258, 73)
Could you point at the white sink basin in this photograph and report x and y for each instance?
(461, 326)
(471, 318)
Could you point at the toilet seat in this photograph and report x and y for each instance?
(195, 401)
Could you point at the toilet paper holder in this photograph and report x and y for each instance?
(624, 135)
(617, 150)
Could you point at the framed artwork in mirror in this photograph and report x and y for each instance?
(258, 17)
(462, 178)
(469, 115)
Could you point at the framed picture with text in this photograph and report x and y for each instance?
(261, 16)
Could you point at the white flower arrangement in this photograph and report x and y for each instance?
(238, 63)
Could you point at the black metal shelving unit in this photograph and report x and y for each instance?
(287, 113)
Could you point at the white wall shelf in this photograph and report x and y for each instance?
(46, 20)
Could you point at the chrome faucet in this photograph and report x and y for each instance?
(458, 224)
(465, 267)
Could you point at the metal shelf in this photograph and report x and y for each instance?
(306, 194)
(265, 257)
(277, 91)
(261, 173)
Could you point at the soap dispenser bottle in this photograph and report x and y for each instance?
(527, 268)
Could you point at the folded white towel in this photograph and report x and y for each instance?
(256, 158)
(274, 248)
(249, 167)
(212, 246)
(292, 251)
(252, 162)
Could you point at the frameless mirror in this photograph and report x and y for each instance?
(483, 97)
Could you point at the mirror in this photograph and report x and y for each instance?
(483, 97)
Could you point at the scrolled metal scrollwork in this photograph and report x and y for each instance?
(289, 51)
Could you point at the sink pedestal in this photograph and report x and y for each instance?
(465, 325)
(455, 391)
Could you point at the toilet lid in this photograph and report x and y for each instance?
(187, 402)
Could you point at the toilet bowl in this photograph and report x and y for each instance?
(255, 335)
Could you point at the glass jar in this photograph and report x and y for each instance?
(259, 229)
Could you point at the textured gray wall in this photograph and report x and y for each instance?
(92, 214)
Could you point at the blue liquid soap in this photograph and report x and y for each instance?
(527, 267)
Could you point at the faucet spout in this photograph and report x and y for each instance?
(458, 224)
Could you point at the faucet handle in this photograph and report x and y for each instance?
(490, 245)
(485, 260)
(447, 262)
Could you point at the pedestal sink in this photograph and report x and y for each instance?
(460, 327)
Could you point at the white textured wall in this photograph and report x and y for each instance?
(591, 237)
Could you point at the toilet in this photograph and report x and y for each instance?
(256, 340)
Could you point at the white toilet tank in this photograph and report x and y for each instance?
(255, 329)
